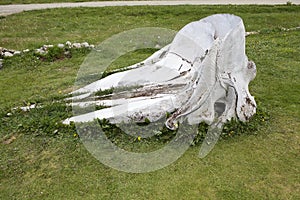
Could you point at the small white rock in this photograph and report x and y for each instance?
(26, 50)
(76, 45)
(60, 45)
(92, 46)
(251, 33)
(27, 108)
(8, 54)
(2, 49)
(17, 52)
(40, 51)
(46, 47)
(85, 44)
(1, 63)
(69, 44)
(9, 114)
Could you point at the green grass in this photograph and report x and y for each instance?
(46, 160)
(35, 28)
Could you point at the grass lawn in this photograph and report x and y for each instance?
(42, 159)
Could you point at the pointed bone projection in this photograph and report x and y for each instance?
(202, 76)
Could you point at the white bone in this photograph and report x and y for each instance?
(202, 75)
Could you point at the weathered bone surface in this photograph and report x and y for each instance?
(203, 75)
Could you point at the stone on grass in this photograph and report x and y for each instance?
(69, 44)
(17, 52)
(1, 63)
(60, 45)
(76, 45)
(41, 51)
(8, 54)
(85, 44)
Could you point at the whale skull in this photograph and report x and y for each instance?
(201, 76)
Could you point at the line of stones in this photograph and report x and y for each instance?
(5, 53)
